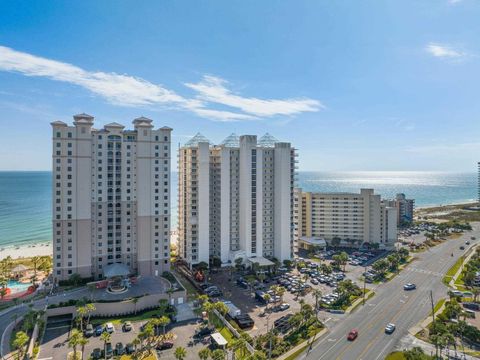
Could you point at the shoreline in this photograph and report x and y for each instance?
(457, 204)
(26, 250)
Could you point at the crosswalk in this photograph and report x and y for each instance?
(423, 271)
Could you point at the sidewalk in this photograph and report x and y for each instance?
(471, 252)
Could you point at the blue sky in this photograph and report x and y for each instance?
(354, 85)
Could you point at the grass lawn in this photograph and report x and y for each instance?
(397, 355)
(438, 305)
(192, 293)
(117, 321)
(297, 353)
(452, 271)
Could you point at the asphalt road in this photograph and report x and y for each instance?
(392, 304)
(7, 316)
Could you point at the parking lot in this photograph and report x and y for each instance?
(244, 298)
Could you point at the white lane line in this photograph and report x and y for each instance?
(381, 352)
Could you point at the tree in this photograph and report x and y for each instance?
(75, 279)
(336, 241)
(343, 259)
(81, 313)
(74, 340)
(89, 308)
(180, 353)
(239, 345)
(135, 301)
(221, 308)
(415, 353)
(83, 342)
(21, 339)
(136, 342)
(163, 321)
(267, 299)
(204, 353)
(105, 337)
(208, 307)
(218, 354)
(36, 261)
(258, 355)
(317, 294)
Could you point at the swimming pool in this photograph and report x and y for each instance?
(17, 286)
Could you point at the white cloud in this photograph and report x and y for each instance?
(212, 89)
(444, 51)
(128, 90)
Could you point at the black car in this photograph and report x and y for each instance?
(129, 348)
(165, 345)
(108, 350)
(119, 349)
(204, 331)
(98, 330)
(244, 321)
(97, 354)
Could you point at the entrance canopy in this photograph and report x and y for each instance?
(312, 241)
(261, 261)
(114, 270)
(219, 339)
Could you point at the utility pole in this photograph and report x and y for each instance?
(364, 283)
(433, 323)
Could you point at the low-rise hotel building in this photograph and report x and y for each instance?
(111, 198)
(349, 219)
(235, 199)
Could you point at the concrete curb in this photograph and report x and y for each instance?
(302, 345)
(425, 322)
(454, 278)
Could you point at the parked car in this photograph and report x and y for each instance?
(462, 247)
(471, 306)
(119, 349)
(109, 327)
(108, 350)
(96, 354)
(244, 321)
(390, 328)
(129, 348)
(204, 331)
(284, 306)
(165, 345)
(88, 330)
(98, 330)
(352, 335)
(127, 326)
(409, 286)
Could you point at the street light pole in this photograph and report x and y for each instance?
(364, 283)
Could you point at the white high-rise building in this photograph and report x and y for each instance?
(236, 199)
(111, 198)
(352, 219)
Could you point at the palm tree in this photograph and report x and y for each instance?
(21, 339)
(74, 341)
(81, 312)
(317, 294)
(135, 301)
(267, 299)
(208, 308)
(280, 292)
(218, 354)
(105, 337)
(83, 342)
(36, 261)
(221, 308)
(239, 345)
(180, 353)
(136, 342)
(204, 353)
(90, 308)
(163, 322)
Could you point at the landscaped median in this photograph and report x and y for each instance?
(368, 294)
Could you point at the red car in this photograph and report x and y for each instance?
(352, 335)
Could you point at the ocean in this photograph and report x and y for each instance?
(25, 197)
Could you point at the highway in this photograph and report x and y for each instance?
(392, 304)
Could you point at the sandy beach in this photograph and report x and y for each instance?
(23, 251)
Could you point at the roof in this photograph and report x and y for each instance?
(83, 116)
(19, 268)
(113, 270)
(313, 241)
(58, 123)
(166, 128)
(115, 124)
(198, 138)
(142, 119)
(233, 140)
(261, 261)
(267, 140)
(219, 339)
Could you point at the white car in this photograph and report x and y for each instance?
(390, 328)
(109, 328)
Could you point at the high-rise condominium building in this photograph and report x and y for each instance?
(405, 208)
(111, 197)
(353, 219)
(236, 199)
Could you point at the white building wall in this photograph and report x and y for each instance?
(203, 209)
(225, 204)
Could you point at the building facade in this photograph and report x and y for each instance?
(235, 199)
(346, 218)
(111, 197)
(405, 208)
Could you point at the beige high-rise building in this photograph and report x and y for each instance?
(111, 198)
(353, 219)
(236, 199)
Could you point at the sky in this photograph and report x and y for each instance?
(353, 85)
